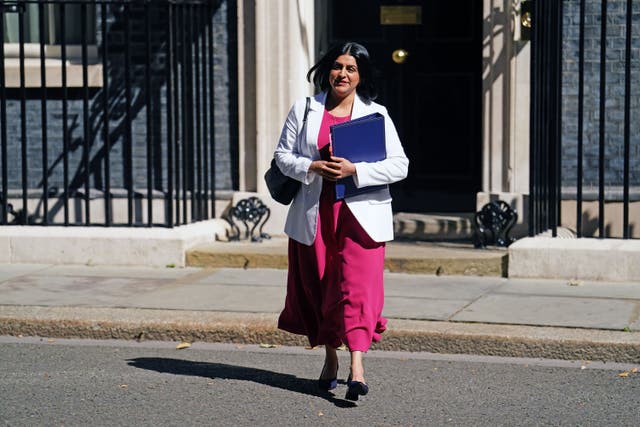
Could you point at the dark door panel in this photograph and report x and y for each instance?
(434, 97)
(443, 141)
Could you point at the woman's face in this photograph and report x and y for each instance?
(344, 76)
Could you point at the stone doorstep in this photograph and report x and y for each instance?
(449, 227)
(257, 328)
(401, 258)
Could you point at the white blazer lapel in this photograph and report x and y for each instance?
(359, 108)
(316, 110)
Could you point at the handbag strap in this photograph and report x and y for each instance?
(306, 110)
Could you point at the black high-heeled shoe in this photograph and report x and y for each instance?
(355, 389)
(330, 384)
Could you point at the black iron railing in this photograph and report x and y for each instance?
(581, 118)
(544, 161)
(106, 112)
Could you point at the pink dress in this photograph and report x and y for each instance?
(335, 290)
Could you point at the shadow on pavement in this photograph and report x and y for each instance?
(234, 372)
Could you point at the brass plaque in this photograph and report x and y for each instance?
(400, 15)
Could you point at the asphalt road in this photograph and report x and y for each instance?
(100, 383)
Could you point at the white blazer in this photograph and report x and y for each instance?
(298, 147)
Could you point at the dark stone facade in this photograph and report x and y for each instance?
(223, 19)
(614, 98)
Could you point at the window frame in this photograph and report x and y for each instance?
(53, 64)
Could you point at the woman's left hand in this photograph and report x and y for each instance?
(342, 167)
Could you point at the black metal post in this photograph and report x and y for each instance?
(603, 86)
(168, 63)
(128, 149)
(147, 92)
(205, 110)
(627, 122)
(545, 161)
(177, 41)
(86, 146)
(65, 114)
(23, 124)
(580, 147)
(211, 97)
(190, 111)
(185, 120)
(3, 127)
(105, 118)
(556, 203)
(43, 118)
(198, 125)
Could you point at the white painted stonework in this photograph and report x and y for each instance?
(587, 259)
(505, 111)
(158, 247)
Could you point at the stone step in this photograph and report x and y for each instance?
(420, 257)
(433, 227)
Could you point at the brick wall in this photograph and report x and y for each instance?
(615, 88)
(225, 129)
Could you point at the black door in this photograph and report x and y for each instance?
(434, 95)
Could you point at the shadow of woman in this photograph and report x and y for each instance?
(234, 372)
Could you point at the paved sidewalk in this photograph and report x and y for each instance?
(452, 314)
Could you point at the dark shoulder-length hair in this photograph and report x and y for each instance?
(319, 73)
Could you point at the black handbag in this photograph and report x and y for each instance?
(283, 188)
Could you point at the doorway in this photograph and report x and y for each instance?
(428, 61)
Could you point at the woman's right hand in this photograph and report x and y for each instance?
(327, 170)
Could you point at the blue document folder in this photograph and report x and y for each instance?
(358, 140)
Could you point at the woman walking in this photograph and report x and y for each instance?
(335, 290)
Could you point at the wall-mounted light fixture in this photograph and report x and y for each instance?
(525, 19)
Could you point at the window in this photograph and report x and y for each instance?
(29, 15)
